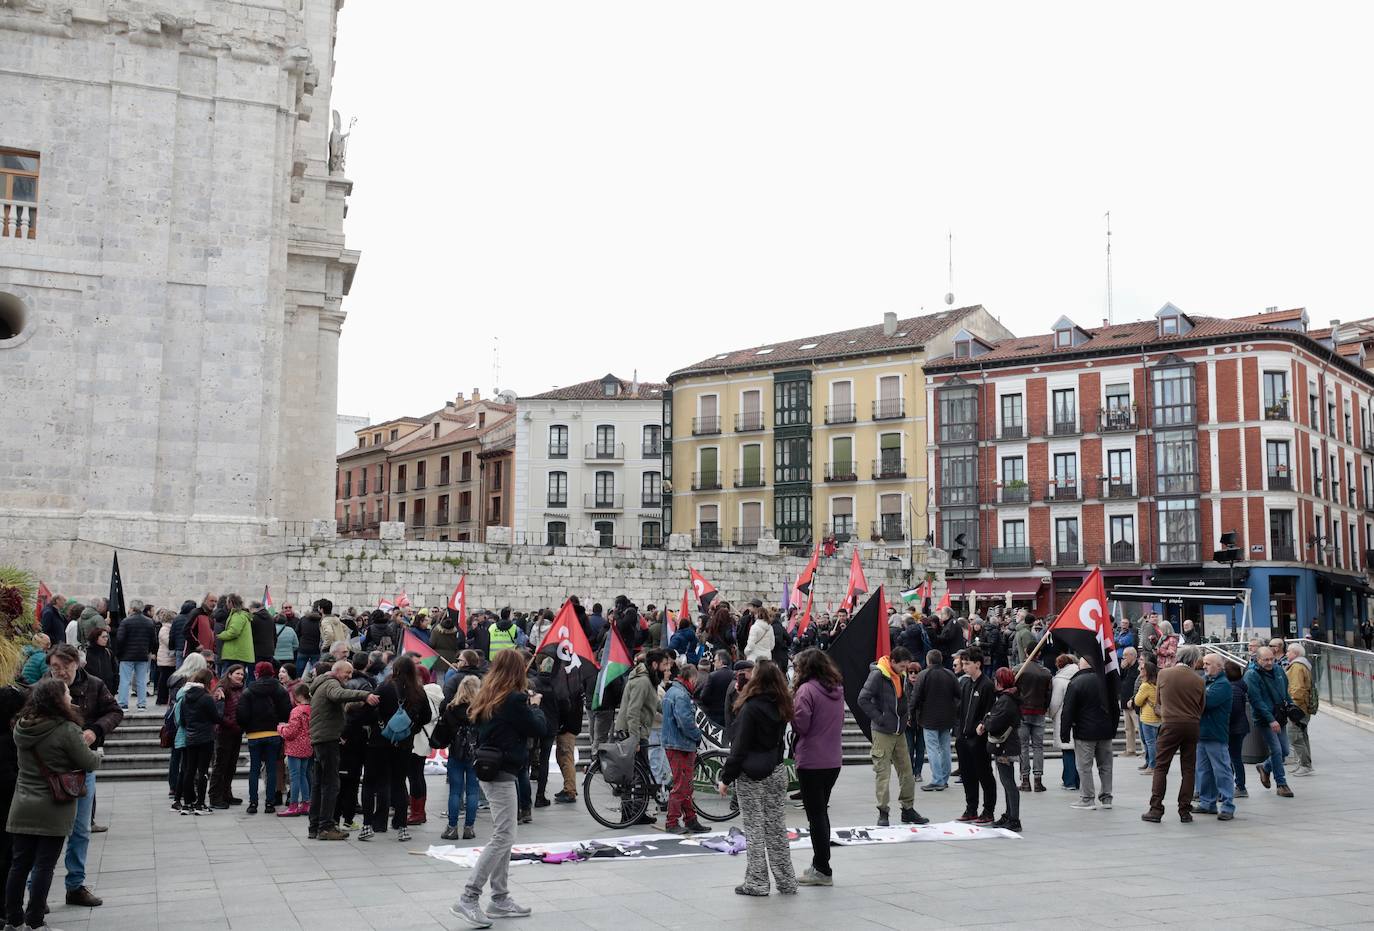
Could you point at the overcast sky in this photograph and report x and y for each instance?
(616, 186)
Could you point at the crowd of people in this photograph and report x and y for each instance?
(339, 718)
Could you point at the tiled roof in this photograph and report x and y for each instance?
(594, 391)
(462, 434)
(1275, 316)
(912, 333)
(1120, 337)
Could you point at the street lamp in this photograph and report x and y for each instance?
(957, 553)
(1230, 554)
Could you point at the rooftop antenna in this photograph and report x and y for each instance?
(495, 364)
(949, 295)
(1110, 320)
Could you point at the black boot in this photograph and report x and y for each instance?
(882, 818)
(912, 816)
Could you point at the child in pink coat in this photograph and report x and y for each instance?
(296, 735)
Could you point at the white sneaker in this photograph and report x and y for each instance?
(507, 908)
(471, 912)
(1082, 805)
(1301, 771)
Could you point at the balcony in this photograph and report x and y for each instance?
(348, 490)
(841, 472)
(466, 474)
(420, 483)
(1369, 501)
(651, 451)
(959, 495)
(749, 422)
(839, 413)
(889, 467)
(747, 536)
(558, 500)
(1012, 431)
(1121, 553)
(441, 518)
(1063, 490)
(889, 408)
(1276, 410)
(400, 485)
(705, 426)
(1117, 420)
(558, 451)
(749, 477)
(1117, 488)
(464, 515)
(1068, 557)
(842, 531)
(651, 499)
(1180, 554)
(1065, 424)
(604, 452)
(1283, 550)
(1012, 557)
(706, 481)
(1279, 481)
(706, 538)
(18, 219)
(443, 478)
(889, 530)
(603, 501)
(1013, 492)
(418, 520)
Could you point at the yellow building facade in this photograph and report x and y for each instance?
(808, 438)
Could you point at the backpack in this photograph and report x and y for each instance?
(398, 728)
(464, 744)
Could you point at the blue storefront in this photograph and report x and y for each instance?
(1286, 599)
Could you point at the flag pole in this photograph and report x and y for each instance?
(1033, 654)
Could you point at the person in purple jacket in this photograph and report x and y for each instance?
(818, 724)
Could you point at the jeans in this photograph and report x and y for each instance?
(1031, 733)
(300, 780)
(916, 749)
(1006, 774)
(1302, 747)
(1149, 736)
(493, 866)
(79, 841)
(138, 674)
(889, 751)
(1070, 779)
(463, 792)
(263, 751)
(34, 854)
(816, 785)
(305, 661)
(938, 752)
(1278, 749)
(1215, 783)
(1086, 753)
(1238, 760)
(324, 785)
(658, 760)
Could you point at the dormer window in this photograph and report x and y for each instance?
(1172, 321)
(966, 345)
(1068, 334)
(1063, 338)
(962, 349)
(1168, 326)
(610, 386)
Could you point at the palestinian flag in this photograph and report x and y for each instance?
(1084, 628)
(858, 585)
(458, 604)
(615, 662)
(413, 644)
(705, 591)
(917, 595)
(267, 600)
(567, 644)
(864, 640)
(386, 606)
(402, 600)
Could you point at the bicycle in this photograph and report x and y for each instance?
(621, 805)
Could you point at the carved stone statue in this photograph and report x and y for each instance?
(338, 143)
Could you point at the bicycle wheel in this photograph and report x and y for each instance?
(611, 805)
(710, 805)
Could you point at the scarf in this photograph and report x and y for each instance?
(885, 667)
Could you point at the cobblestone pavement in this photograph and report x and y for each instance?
(1282, 863)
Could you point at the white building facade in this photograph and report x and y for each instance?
(590, 465)
(172, 269)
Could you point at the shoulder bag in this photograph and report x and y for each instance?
(65, 787)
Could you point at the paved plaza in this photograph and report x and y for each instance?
(1282, 863)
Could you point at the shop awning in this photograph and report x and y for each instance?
(1354, 583)
(1178, 594)
(1025, 588)
(1194, 578)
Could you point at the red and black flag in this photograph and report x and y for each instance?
(567, 643)
(858, 585)
(864, 640)
(704, 590)
(117, 610)
(808, 574)
(1084, 628)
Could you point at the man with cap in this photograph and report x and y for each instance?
(744, 671)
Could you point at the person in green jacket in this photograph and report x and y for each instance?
(35, 659)
(47, 738)
(237, 637)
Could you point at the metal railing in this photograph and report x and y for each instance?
(889, 467)
(705, 481)
(604, 451)
(1060, 490)
(749, 421)
(888, 531)
(1343, 677)
(1012, 431)
(889, 408)
(1012, 557)
(1118, 489)
(1065, 425)
(1276, 411)
(1117, 420)
(705, 426)
(1280, 482)
(1013, 494)
(749, 477)
(748, 536)
(597, 501)
(651, 451)
(841, 471)
(839, 413)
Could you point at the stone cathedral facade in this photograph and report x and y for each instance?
(172, 272)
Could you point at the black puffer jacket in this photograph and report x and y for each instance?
(176, 637)
(1084, 713)
(264, 636)
(510, 730)
(199, 715)
(1004, 716)
(757, 747)
(263, 705)
(308, 635)
(136, 639)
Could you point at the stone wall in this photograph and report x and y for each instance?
(362, 572)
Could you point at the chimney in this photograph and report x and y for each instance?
(1335, 334)
(476, 395)
(459, 401)
(889, 324)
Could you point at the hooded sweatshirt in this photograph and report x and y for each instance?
(819, 724)
(57, 742)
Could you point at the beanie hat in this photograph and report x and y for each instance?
(264, 670)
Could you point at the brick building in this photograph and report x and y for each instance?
(1134, 447)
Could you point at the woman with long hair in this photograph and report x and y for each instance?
(463, 791)
(507, 717)
(1146, 701)
(818, 722)
(720, 628)
(387, 763)
(47, 738)
(763, 708)
(100, 661)
(1166, 651)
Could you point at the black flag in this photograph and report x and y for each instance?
(117, 609)
(855, 650)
